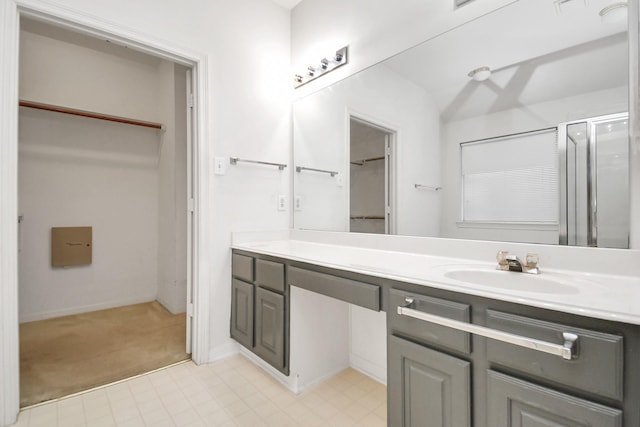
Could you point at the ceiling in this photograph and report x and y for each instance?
(287, 4)
(536, 54)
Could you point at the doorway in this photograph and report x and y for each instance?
(370, 177)
(201, 246)
(129, 184)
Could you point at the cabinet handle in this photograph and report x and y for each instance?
(566, 350)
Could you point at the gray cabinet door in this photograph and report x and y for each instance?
(269, 331)
(517, 403)
(426, 388)
(242, 312)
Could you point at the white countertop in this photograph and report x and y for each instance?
(597, 295)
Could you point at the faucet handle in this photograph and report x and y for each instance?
(531, 261)
(502, 257)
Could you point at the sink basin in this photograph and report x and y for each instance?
(541, 283)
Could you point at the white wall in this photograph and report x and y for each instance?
(89, 74)
(532, 117)
(77, 171)
(322, 142)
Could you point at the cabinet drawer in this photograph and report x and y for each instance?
(270, 275)
(352, 291)
(426, 332)
(597, 366)
(242, 267)
(513, 402)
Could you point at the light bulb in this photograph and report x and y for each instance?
(480, 74)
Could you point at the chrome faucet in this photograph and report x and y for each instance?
(508, 262)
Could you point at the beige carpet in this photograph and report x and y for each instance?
(73, 353)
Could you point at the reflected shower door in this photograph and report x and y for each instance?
(594, 181)
(577, 198)
(611, 139)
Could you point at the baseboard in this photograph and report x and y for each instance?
(223, 351)
(170, 307)
(290, 382)
(372, 370)
(85, 309)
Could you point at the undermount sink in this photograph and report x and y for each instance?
(538, 283)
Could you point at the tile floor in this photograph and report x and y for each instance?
(230, 392)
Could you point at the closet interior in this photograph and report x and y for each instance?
(103, 186)
(369, 178)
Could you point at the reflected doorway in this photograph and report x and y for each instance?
(370, 176)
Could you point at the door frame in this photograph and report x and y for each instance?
(390, 165)
(10, 13)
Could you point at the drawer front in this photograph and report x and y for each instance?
(352, 291)
(429, 333)
(270, 275)
(597, 366)
(242, 267)
(513, 403)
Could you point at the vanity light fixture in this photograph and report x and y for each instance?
(614, 13)
(480, 74)
(326, 65)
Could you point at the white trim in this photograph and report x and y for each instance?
(88, 308)
(10, 12)
(368, 368)
(9, 356)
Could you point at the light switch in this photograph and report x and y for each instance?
(220, 165)
(339, 180)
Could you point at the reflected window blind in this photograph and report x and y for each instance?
(511, 179)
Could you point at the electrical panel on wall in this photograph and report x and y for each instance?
(71, 246)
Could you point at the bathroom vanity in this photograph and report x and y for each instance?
(551, 357)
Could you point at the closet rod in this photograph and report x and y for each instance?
(366, 217)
(363, 161)
(82, 113)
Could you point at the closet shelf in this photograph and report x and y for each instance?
(89, 114)
(365, 161)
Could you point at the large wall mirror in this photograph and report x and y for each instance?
(512, 127)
